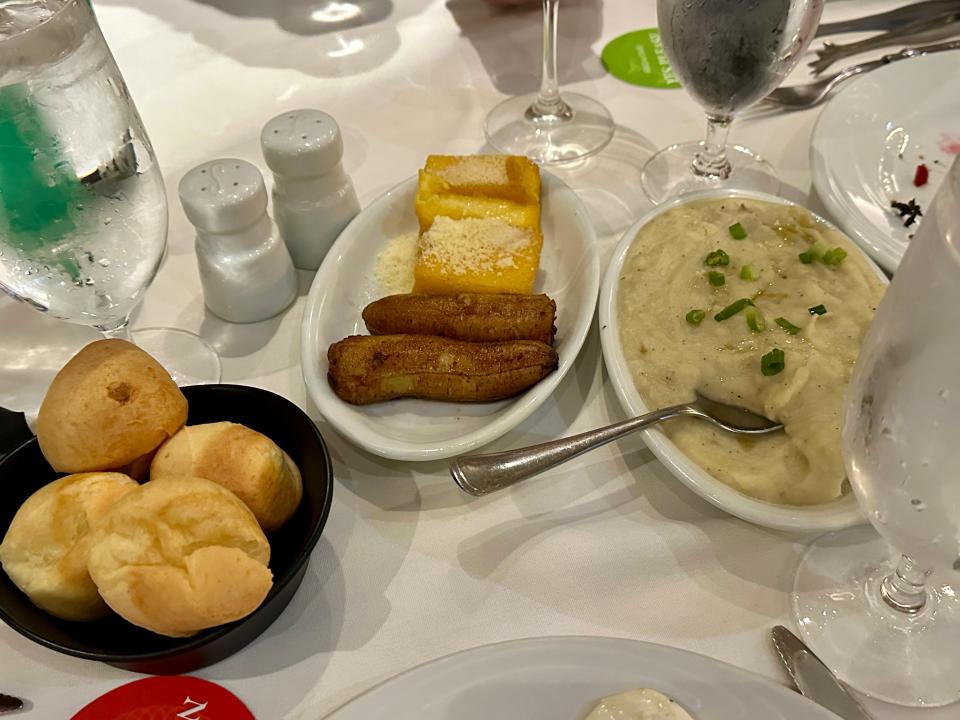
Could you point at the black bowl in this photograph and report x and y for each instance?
(117, 642)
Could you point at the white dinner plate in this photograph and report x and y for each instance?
(562, 678)
(425, 430)
(841, 513)
(870, 138)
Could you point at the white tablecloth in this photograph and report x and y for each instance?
(409, 568)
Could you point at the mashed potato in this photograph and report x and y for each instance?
(665, 275)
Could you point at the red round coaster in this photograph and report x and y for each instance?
(180, 697)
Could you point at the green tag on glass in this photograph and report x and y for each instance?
(638, 58)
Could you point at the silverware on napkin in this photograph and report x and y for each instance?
(8, 703)
(932, 29)
(890, 20)
(814, 679)
(801, 97)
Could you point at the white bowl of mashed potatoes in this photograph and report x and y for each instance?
(754, 301)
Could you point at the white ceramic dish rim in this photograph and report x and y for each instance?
(861, 230)
(571, 643)
(837, 515)
(523, 406)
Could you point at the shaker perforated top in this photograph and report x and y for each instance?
(302, 143)
(223, 195)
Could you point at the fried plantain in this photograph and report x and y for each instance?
(366, 369)
(477, 317)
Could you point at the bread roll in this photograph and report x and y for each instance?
(46, 547)
(109, 405)
(248, 464)
(179, 556)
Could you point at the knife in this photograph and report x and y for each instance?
(8, 703)
(891, 19)
(932, 29)
(814, 679)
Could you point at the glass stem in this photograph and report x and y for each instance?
(905, 589)
(119, 330)
(549, 105)
(712, 160)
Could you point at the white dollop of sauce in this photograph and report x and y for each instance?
(639, 704)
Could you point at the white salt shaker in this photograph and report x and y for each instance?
(313, 198)
(245, 269)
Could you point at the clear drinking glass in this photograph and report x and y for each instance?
(83, 212)
(728, 54)
(548, 127)
(883, 612)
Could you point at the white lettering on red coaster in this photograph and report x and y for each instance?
(179, 697)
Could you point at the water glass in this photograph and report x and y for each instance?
(728, 54)
(883, 611)
(83, 212)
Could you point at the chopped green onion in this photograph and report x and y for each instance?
(773, 362)
(787, 326)
(695, 317)
(716, 278)
(806, 257)
(835, 256)
(747, 272)
(819, 248)
(732, 309)
(755, 319)
(717, 257)
(817, 310)
(737, 232)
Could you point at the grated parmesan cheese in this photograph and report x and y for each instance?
(472, 245)
(395, 264)
(486, 169)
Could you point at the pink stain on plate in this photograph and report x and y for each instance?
(950, 144)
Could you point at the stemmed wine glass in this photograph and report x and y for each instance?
(548, 127)
(882, 612)
(728, 54)
(83, 212)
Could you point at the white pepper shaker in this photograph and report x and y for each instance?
(245, 269)
(313, 198)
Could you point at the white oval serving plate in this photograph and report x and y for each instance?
(425, 430)
(870, 138)
(841, 513)
(563, 678)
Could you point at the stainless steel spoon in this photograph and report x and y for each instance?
(484, 474)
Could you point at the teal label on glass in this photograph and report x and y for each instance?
(638, 58)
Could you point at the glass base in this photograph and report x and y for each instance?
(903, 659)
(669, 173)
(188, 358)
(547, 140)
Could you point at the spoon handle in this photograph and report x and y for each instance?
(483, 474)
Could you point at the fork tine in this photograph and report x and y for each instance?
(776, 98)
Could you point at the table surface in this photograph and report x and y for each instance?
(409, 568)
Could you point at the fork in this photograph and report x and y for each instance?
(801, 97)
(935, 29)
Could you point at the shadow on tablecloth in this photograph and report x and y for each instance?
(509, 42)
(317, 37)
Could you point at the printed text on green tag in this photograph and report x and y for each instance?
(638, 58)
